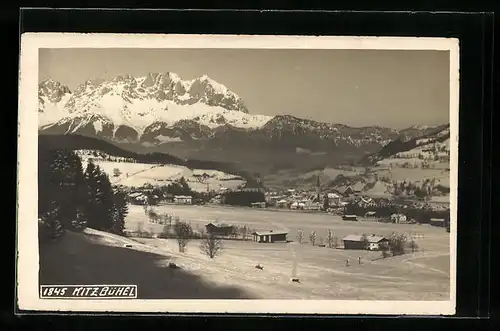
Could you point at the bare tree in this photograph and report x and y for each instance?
(116, 172)
(384, 247)
(312, 238)
(329, 239)
(413, 245)
(244, 232)
(139, 229)
(183, 232)
(167, 219)
(153, 216)
(211, 245)
(397, 243)
(336, 242)
(165, 232)
(300, 236)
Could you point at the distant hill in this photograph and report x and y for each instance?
(78, 142)
(439, 135)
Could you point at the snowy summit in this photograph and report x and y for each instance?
(138, 102)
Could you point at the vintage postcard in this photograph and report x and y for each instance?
(237, 174)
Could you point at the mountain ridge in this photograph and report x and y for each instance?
(439, 135)
(200, 119)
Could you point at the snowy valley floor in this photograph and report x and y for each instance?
(95, 257)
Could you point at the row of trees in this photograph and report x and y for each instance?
(182, 232)
(72, 198)
(169, 221)
(331, 240)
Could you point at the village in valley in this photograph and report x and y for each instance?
(350, 202)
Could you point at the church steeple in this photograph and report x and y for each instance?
(318, 189)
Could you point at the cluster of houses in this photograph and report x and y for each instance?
(146, 198)
(335, 200)
(311, 199)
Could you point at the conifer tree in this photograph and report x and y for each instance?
(329, 239)
(104, 198)
(91, 203)
(120, 211)
(100, 208)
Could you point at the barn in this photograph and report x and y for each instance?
(438, 222)
(219, 229)
(398, 218)
(258, 204)
(349, 218)
(355, 241)
(269, 236)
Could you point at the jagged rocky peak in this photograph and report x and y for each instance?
(161, 80)
(52, 90)
(205, 89)
(164, 86)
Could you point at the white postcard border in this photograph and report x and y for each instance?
(27, 238)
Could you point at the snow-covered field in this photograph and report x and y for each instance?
(138, 174)
(323, 273)
(96, 257)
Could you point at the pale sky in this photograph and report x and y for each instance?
(390, 88)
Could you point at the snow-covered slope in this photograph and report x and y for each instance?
(52, 98)
(433, 147)
(127, 172)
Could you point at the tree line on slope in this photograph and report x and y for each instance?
(79, 142)
(71, 198)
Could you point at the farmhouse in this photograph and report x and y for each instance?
(333, 196)
(258, 204)
(355, 241)
(438, 222)
(311, 206)
(219, 229)
(398, 218)
(138, 198)
(269, 236)
(168, 197)
(349, 218)
(183, 199)
(282, 203)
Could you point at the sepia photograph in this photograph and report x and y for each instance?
(246, 174)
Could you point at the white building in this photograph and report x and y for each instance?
(183, 199)
(398, 218)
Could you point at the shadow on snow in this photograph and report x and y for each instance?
(76, 260)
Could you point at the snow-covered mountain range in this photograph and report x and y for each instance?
(200, 119)
(125, 106)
